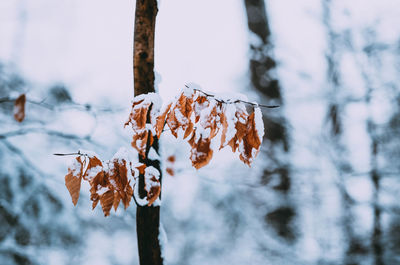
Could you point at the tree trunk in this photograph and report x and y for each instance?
(147, 217)
(276, 144)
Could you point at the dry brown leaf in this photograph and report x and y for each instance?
(224, 125)
(138, 115)
(94, 167)
(179, 117)
(251, 142)
(241, 129)
(73, 179)
(19, 108)
(170, 171)
(141, 168)
(106, 201)
(201, 153)
(139, 142)
(171, 159)
(152, 184)
(160, 121)
(118, 179)
(153, 194)
(117, 199)
(200, 103)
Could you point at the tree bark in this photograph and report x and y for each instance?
(147, 217)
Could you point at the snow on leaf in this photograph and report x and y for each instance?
(19, 108)
(228, 120)
(200, 103)
(240, 126)
(73, 179)
(251, 141)
(94, 167)
(118, 179)
(209, 120)
(139, 141)
(201, 153)
(152, 184)
(160, 120)
(179, 116)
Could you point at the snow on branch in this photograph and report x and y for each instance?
(199, 117)
(112, 181)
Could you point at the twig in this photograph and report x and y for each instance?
(236, 101)
(68, 154)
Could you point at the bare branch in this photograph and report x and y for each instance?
(235, 101)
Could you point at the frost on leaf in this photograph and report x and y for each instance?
(118, 176)
(152, 184)
(143, 119)
(19, 108)
(73, 179)
(139, 141)
(240, 127)
(179, 116)
(94, 167)
(160, 120)
(201, 153)
(251, 141)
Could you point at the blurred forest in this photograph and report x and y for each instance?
(324, 188)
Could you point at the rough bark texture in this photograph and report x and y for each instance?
(143, 51)
(147, 218)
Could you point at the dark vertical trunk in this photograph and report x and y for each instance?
(264, 81)
(147, 217)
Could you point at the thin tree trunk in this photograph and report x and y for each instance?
(147, 217)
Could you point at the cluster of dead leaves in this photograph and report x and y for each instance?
(198, 118)
(111, 182)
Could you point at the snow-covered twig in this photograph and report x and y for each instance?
(235, 101)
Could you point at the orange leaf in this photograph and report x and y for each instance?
(241, 129)
(170, 171)
(200, 103)
(160, 121)
(106, 201)
(73, 179)
(117, 199)
(141, 168)
(152, 184)
(251, 141)
(19, 108)
(118, 179)
(171, 159)
(139, 142)
(179, 117)
(201, 152)
(94, 168)
(153, 194)
(138, 115)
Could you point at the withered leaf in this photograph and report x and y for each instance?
(73, 179)
(106, 201)
(160, 121)
(19, 108)
(179, 116)
(201, 153)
